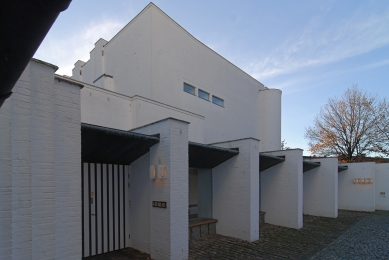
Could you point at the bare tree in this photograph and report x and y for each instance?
(348, 127)
(382, 134)
(283, 145)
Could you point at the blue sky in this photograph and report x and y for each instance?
(311, 50)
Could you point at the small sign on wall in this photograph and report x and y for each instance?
(159, 204)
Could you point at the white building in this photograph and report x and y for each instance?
(169, 128)
(153, 70)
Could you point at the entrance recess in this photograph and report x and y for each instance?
(105, 208)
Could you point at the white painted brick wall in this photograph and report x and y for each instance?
(140, 204)
(68, 213)
(357, 196)
(169, 227)
(21, 168)
(282, 190)
(236, 191)
(39, 160)
(382, 185)
(6, 181)
(321, 188)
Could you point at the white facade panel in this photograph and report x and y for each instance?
(282, 190)
(321, 188)
(357, 196)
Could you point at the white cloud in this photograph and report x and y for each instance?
(317, 45)
(64, 52)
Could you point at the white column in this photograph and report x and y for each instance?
(236, 191)
(68, 212)
(382, 186)
(169, 226)
(282, 190)
(321, 188)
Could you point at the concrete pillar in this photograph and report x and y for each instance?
(321, 188)
(169, 226)
(282, 190)
(357, 196)
(204, 193)
(235, 187)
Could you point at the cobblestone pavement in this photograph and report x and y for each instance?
(353, 235)
(368, 239)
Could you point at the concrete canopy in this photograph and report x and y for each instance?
(107, 145)
(207, 156)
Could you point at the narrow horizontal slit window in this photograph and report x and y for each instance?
(218, 101)
(203, 95)
(189, 89)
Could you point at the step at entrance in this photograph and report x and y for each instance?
(200, 228)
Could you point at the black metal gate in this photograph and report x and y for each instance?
(105, 210)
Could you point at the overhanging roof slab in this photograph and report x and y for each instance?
(208, 156)
(342, 168)
(267, 161)
(111, 146)
(307, 166)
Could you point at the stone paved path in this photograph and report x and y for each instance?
(368, 239)
(353, 235)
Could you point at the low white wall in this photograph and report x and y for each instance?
(321, 188)
(236, 191)
(282, 190)
(382, 186)
(169, 226)
(40, 168)
(354, 196)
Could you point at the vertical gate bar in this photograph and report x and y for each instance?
(113, 204)
(82, 203)
(124, 208)
(96, 213)
(89, 215)
(118, 186)
(108, 231)
(102, 208)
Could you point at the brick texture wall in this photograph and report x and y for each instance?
(169, 227)
(236, 191)
(40, 165)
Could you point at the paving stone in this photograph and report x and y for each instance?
(353, 235)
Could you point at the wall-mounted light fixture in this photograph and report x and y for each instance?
(153, 172)
(162, 171)
(158, 172)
